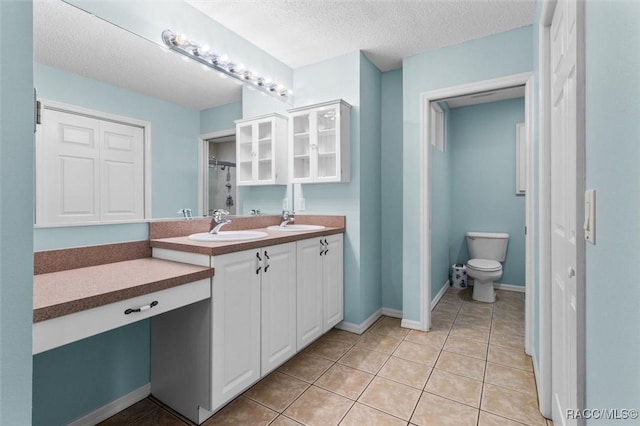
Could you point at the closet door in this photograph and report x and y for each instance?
(67, 170)
(88, 170)
(121, 172)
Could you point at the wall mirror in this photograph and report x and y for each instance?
(84, 62)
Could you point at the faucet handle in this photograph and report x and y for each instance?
(286, 214)
(218, 213)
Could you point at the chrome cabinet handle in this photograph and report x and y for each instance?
(321, 247)
(141, 308)
(326, 245)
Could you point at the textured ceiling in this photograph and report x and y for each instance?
(68, 38)
(302, 32)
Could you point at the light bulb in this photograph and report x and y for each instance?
(180, 39)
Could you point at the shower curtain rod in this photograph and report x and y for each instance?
(221, 163)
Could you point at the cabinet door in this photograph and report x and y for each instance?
(332, 277)
(278, 305)
(235, 345)
(327, 149)
(245, 153)
(265, 151)
(309, 288)
(300, 147)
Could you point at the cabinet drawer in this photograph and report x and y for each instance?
(73, 327)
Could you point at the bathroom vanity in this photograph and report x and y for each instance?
(270, 298)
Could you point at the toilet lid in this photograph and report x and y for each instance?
(484, 265)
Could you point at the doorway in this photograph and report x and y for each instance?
(428, 124)
(218, 173)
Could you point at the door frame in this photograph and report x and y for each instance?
(523, 79)
(203, 168)
(542, 360)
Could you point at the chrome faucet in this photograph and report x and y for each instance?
(186, 213)
(287, 217)
(218, 221)
(255, 212)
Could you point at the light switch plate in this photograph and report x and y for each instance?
(590, 215)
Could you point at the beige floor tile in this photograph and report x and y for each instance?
(441, 325)
(457, 388)
(284, 421)
(509, 357)
(277, 391)
(508, 341)
(466, 347)
(470, 333)
(513, 405)
(161, 418)
(343, 336)
(306, 367)
(446, 310)
(507, 315)
(364, 359)
(511, 378)
(435, 410)
(434, 338)
(406, 372)
(345, 381)
(319, 407)
(242, 411)
(389, 327)
(461, 365)
(379, 342)
(444, 315)
(508, 327)
(488, 419)
(327, 348)
(415, 352)
(515, 307)
(474, 321)
(391, 397)
(361, 415)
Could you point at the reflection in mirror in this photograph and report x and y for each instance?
(89, 63)
(222, 174)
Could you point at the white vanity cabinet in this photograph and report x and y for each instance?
(319, 286)
(319, 143)
(261, 150)
(205, 356)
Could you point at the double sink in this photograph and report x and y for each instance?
(225, 236)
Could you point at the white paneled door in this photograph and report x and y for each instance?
(89, 170)
(564, 201)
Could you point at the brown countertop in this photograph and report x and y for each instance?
(65, 292)
(213, 249)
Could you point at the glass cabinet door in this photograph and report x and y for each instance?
(265, 150)
(301, 147)
(327, 138)
(245, 153)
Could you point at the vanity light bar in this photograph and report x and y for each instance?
(191, 49)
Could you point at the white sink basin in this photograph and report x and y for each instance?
(292, 228)
(228, 236)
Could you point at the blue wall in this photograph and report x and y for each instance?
(16, 208)
(220, 118)
(370, 187)
(483, 151)
(391, 189)
(75, 379)
(612, 157)
(490, 57)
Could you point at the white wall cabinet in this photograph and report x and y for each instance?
(320, 287)
(261, 150)
(319, 143)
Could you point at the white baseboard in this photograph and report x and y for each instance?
(441, 293)
(362, 327)
(114, 407)
(509, 287)
(414, 325)
(393, 313)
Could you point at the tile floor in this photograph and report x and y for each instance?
(470, 369)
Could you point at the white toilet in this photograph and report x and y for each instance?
(486, 251)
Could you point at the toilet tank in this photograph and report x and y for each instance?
(487, 245)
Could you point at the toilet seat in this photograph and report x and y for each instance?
(485, 265)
